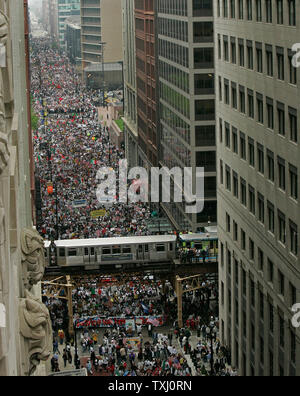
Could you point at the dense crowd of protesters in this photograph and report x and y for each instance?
(70, 147)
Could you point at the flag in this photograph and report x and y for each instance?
(153, 321)
(145, 308)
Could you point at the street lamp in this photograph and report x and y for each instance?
(211, 331)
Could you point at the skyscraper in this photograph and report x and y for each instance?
(186, 99)
(66, 8)
(258, 195)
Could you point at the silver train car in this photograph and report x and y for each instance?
(93, 253)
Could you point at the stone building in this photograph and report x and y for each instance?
(25, 327)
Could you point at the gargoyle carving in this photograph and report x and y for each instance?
(33, 257)
(35, 327)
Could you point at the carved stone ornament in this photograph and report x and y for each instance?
(33, 257)
(35, 327)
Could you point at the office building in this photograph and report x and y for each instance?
(65, 9)
(258, 157)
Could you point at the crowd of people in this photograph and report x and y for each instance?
(70, 146)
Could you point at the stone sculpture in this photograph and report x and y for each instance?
(33, 257)
(35, 327)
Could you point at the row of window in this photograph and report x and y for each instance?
(259, 57)
(265, 212)
(253, 292)
(173, 28)
(263, 110)
(260, 10)
(261, 159)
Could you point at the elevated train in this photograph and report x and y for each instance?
(127, 252)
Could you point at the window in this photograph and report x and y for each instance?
(280, 63)
(244, 282)
(235, 232)
(62, 252)
(226, 91)
(225, 8)
(251, 249)
(219, 47)
(233, 95)
(72, 252)
(271, 218)
(281, 227)
(258, 10)
(232, 8)
(126, 250)
(270, 113)
(293, 124)
(270, 271)
(293, 346)
(293, 295)
(227, 135)
(251, 152)
(220, 89)
(268, 11)
(250, 54)
(271, 317)
(251, 199)
(292, 69)
(260, 259)
(293, 181)
(293, 238)
(261, 305)
(280, 12)
(228, 222)
(160, 248)
(243, 192)
(281, 173)
(281, 282)
(269, 56)
(281, 331)
(221, 130)
(241, 53)
(250, 104)
(221, 172)
(252, 292)
(243, 239)
(225, 45)
(241, 9)
(271, 165)
(292, 12)
(260, 108)
(261, 158)
(235, 146)
(281, 118)
(249, 10)
(261, 208)
(233, 50)
(259, 58)
(106, 251)
(261, 350)
(242, 99)
(243, 146)
(235, 185)
(228, 178)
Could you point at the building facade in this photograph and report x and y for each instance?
(65, 9)
(25, 326)
(130, 96)
(258, 194)
(73, 39)
(101, 31)
(187, 100)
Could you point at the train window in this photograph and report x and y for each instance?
(171, 247)
(62, 252)
(126, 249)
(146, 248)
(116, 250)
(198, 246)
(160, 248)
(86, 251)
(106, 251)
(92, 251)
(140, 248)
(72, 252)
